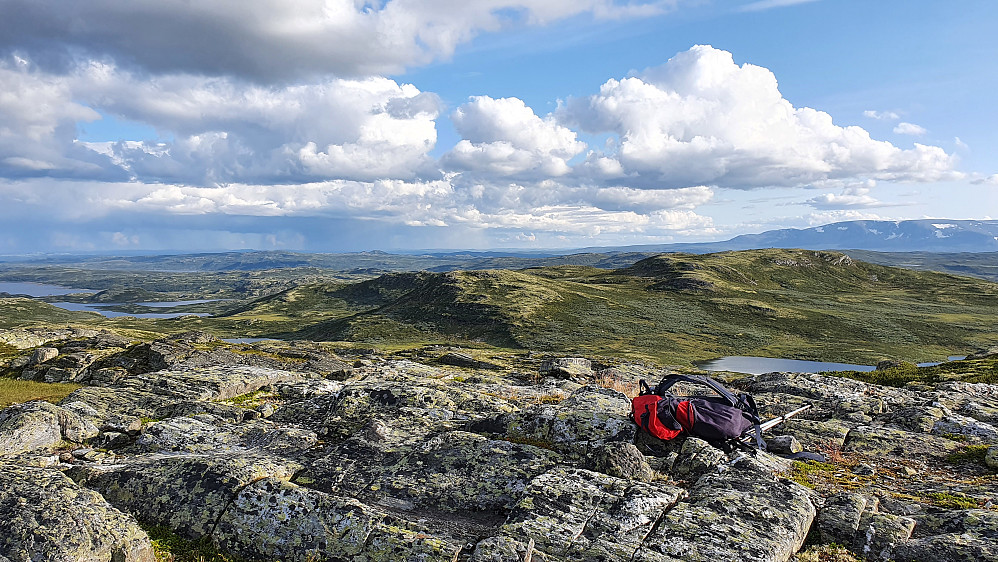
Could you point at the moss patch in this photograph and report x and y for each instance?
(826, 553)
(945, 500)
(969, 454)
(170, 547)
(251, 400)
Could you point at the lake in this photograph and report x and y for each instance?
(246, 340)
(761, 365)
(38, 289)
(101, 309)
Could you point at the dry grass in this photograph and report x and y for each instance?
(627, 387)
(13, 391)
(832, 452)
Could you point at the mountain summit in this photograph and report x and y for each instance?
(926, 235)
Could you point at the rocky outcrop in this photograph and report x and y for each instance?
(103, 358)
(47, 517)
(35, 337)
(398, 459)
(38, 425)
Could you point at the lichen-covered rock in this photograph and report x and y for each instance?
(398, 460)
(697, 457)
(191, 408)
(743, 513)
(919, 418)
(43, 354)
(464, 471)
(572, 367)
(880, 533)
(205, 433)
(982, 522)
(39, 425)
(46, 517)
(839, 518)
(991, 457)
(275, 520)
(783, 445)
(588, 418)
(576, 514)
(187, 493)
(622, 460)
(499, 549)
(401, 391)
(157, 393)
(895, 442)
(113, 440)
(953, 547)
(955, 424)
(132, 425)
(814, 434)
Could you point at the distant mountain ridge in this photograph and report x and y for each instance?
(923, 235)
(958, 246)
(926, 235)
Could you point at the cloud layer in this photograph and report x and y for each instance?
(275, 115)
(264, 40)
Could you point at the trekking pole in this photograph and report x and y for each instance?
(775, 422)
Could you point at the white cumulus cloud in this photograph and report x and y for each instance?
(702, 119)
(881, 115)
(904, 128)
(504, 137)
(223, 130)
(857, 196)
(38, 117)
(828, 217)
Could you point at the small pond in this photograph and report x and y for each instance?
(246, 340)
(762, 365)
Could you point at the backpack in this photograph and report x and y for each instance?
(719, 417)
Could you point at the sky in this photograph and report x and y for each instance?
(352, 125)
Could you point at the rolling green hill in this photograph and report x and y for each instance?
(673, 308)
(676, 307)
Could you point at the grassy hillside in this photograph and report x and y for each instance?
(680, 307)
(978, 264)
(674, 308)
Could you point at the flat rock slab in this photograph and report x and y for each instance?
(576, 514)
(46, 517)
(454, 471)
(276, 520)
(743, 514)
(588, 418)
(886, 441)
(147, 395)
(207, 434)
(187, 493)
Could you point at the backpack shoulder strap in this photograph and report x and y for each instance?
(643, 388)
(672, 379)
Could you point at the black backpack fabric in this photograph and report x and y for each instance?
(711, 412)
